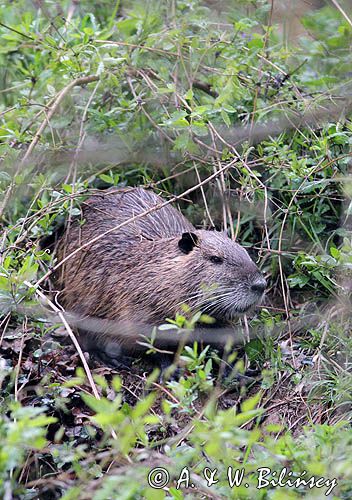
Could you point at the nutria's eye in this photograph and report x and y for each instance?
(216, 260)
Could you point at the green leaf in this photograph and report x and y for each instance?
(335, 253)
(106, 178)
(225, 117)
(189, 94)
(251, 403)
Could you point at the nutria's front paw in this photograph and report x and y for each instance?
(111, 355)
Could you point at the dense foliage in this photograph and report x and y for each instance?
(242, 109)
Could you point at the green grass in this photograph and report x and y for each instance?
(166, 94)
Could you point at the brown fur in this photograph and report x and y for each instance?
(144, 271)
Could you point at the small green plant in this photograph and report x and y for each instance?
(197, 378)
(22, 431)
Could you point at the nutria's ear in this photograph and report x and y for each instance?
(187, 242)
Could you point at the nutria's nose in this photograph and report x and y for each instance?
(258, 286)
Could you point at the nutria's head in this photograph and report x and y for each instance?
(228, 281)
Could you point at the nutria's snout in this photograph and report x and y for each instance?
(258, 286)
(256, 289)
(254, 293)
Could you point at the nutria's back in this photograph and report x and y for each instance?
(144, 271)
(116, 205)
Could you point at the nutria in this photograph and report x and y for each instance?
(143, 272)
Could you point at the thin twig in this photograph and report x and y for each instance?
(338, 6)
(59, 312)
